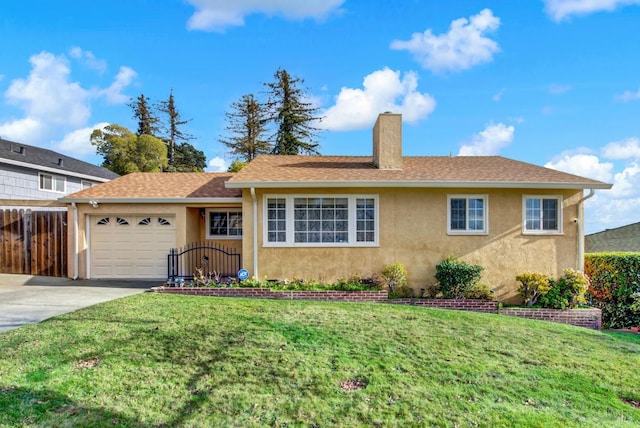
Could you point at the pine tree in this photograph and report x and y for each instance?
(172, 132)
(148, 122)
(293, 116)
(246, 125)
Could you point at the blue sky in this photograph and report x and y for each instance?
(551, 82)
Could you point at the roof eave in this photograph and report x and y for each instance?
(191, 200)
(55, 170)
(415, 184)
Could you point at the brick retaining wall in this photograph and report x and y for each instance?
(265, 293)
(589, 318)
(457, 304)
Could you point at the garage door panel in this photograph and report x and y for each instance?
(124, 246)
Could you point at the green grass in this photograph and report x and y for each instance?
(158, 360)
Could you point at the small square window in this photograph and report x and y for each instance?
(467, 214)
(54, 183)
(222, 224)
(542, 215)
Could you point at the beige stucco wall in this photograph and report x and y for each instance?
(190, 226)
(413, 231)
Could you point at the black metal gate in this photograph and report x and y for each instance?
(210, 259)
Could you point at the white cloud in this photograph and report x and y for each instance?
(582, 164)
(627, 96)
(113, 94)
(27, 130)
(218, 15)
(608, 208)
(78, 142)
(383, 90)
(53, 105)
(88, 59)
(217, 164)
(47, 95)
(626, 183)
(464, 46)
(625, 149)
(561, 9)
(489, 141)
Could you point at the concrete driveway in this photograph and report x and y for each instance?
(28, 299)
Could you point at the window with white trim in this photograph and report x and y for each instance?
(321, 220)
(542, 214)
(54, 183)
(224, 224)
(467, 214)
(86, 184)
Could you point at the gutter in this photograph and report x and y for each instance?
(255, 232)
(75, 241)
(416, 184)
(192, 200)
(581, 229)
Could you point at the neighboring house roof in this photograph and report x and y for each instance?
(272, 171)
(47, 160)
(159, 187)
(625, 238)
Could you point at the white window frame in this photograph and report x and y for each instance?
(466, 230)
(53, 178)
(541, 231)
(352, 221)
(222, 210)
(84, 184)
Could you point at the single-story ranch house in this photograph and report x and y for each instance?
(326, 217)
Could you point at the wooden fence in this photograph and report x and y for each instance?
(33, 242)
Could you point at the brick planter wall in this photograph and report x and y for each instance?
(589, 318)
(265, 293)
(456, 304)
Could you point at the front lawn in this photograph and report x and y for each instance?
(163, 360)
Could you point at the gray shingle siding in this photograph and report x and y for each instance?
(20, 166)
(39, 157)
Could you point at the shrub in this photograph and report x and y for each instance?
(479, 291)
(456, 277)
(615, 277)
(532, 287)
(402, 292)
(357, 282)
(566, 292)
(394, 275)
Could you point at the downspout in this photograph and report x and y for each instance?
(581, 230)
(75, 241)
(255, 232)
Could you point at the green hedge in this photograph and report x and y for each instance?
(615, 277)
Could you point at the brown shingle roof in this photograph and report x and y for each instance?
(427, 171)
(151, 185)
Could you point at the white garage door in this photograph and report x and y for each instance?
(125, 246)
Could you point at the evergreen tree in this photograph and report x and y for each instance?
(188, 159)
(172, 134)
(292, 115)
(148, 122)
(246, 125)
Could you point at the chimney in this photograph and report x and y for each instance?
(387, 141)
(60, 162)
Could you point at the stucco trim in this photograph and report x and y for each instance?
(54, 170)
(414, 184)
